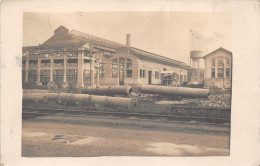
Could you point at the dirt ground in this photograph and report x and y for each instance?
(53, 136)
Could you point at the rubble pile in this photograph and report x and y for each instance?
(214, 100)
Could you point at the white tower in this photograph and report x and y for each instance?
(195, 57)
(198, 42)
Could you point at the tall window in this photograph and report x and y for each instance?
(213, 73)
(114, 68)
(156, 74)
(227, 72)
(32, 76)
(129, 67)
(220, 72)
(142, 73)
(72, 76)
(220, 67)
(58, 76)
(45, 76)
(101, 71)
(228, 66)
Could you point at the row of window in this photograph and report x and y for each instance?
(87, 73)
(58, 75)
(143, 72)
(71, 76)
(220, 72)
(56, 61)
(221, 62)
(59, 54)
(122, 63)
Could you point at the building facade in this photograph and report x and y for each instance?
(73, 58)
(218, 69)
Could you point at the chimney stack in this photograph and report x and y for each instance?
(128, 40)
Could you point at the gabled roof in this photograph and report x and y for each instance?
(219, 49)
(63, 39)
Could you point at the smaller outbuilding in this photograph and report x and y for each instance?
(218, 69)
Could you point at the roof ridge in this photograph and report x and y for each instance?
(93, 37)
(81, 34)
(158, 55)
(220, 48)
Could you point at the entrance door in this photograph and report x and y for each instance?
(149, 77)
(121, 71)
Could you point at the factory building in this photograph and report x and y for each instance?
(73, 58)
(218, 69)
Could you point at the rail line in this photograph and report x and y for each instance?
(29, 112)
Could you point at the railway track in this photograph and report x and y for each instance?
(29, 112)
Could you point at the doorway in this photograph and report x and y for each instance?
(149, 77)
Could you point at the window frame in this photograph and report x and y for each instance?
(142, 73)
(156, 74)
(213, 69)
(222, 73)
(129, 67)
(114, 68)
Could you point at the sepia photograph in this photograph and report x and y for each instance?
(126, 84)
(123, 83)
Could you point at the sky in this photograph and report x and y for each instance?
(164, 33)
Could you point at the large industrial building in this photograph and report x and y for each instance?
(73, 58)
(218, 69)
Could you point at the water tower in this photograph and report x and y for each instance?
(195, 57)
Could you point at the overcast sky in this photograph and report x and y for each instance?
(164, 33)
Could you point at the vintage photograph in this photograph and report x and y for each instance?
(126, 84)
